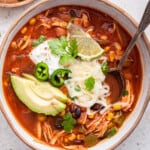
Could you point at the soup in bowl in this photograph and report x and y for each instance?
(56, 91)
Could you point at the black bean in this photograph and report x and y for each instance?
(58, 126)
(58, 123)
(77, 113)
(97, 106)
(73, 108)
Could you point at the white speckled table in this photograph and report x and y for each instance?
(138, 140)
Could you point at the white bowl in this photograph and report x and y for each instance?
(13, 3)
(127, 23)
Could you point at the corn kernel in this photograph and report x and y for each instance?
(5, 83)
(104, 37)
(107, 48)
(71, 137)
(14, 44)
(91, 116)
(80, 137)
(117, 107)
(24, 30)
(110, 116)
(112, 56)
(62, 113)
(69, 102)
(32, 21)
(66, 140)
(26, 37)
(41, 117)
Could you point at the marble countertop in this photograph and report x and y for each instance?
(140, 137)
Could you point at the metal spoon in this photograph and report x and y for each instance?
(116, 72)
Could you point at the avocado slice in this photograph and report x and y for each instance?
(40, 97)
(45, 89)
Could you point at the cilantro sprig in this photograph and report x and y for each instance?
(68, 122)
(58, 46)
(89, 83)
(67, 50)
(40, 40)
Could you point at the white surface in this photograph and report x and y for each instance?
(138, 140)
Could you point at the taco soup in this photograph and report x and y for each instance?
(55, 77)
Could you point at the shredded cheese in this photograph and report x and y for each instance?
(81, 70)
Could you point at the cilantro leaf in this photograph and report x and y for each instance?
(42, 38)
(105, 68)
(39, 41)
(66, 60)
(73, 48)
(64, 42)
(57, 46)
(68, 122)
(125, 93)
(111, 132)
(67, 50)
(89, 83)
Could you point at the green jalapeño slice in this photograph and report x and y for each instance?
(59, 76)
(41, 71)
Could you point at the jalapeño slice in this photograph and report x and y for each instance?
(58, 77)
(41, 71)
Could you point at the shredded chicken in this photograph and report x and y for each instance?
(44, 21)
(102, 128)
(58, 22)
(119, 36)
(24, 42)
(98, 125)
(56, 137)
(129, 99)
(39, 130)
(83, 21)
(47, 132)
(82, 119)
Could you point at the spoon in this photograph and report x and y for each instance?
(116, 72)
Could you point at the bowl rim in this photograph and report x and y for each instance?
(134, 23)
(15, 4)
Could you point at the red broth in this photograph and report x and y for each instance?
(112, 38)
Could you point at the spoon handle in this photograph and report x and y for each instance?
(145, 21)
